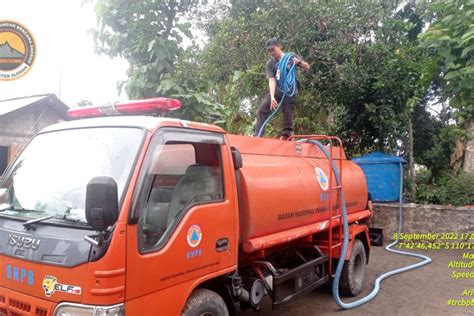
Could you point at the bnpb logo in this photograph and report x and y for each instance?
(194, 236)
(322, 178)
(17, 50)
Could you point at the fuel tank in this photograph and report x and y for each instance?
(286, 185)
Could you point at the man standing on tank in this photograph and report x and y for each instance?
(272, 99)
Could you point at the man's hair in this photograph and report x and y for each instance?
(272, 42)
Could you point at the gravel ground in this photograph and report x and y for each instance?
(423, 291)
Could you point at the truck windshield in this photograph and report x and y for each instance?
(51, 175)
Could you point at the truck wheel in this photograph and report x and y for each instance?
(204, 302)
(354, 271)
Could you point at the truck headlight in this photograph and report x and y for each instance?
(70, 309)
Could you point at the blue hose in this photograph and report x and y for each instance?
(288, 79)
(345, 244)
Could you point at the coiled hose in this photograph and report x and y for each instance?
(288, 78)
(345, 244)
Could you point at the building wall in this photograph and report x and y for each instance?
(421, 218)
(17, 128)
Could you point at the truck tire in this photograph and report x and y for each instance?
(354, 271)
(204, 302)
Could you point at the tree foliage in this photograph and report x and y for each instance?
(366, 65)
(449, 189)
(433, 141)
(146, 33)
(451, 36)
(150, 34)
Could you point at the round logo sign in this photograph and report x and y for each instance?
(17, 50)
(194, 236)
(322, 178)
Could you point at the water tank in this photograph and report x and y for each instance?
(285, 185)
(382, 173)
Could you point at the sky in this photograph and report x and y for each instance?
(66, 63)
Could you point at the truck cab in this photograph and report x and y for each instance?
(139, 215)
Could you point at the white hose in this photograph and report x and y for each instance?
(345, 244)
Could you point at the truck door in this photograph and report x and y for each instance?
(185, 230)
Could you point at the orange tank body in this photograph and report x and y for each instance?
(280, 190)
(263, 220)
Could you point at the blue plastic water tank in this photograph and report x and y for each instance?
(382, 172)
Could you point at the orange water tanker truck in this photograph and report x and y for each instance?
(124, 213)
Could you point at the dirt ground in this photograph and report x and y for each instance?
(423, 291)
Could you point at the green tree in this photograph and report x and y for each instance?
(432, 141)
(148, 34)
(365, 64)
(451, 36)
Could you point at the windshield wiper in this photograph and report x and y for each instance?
(22, 209)
(28, 224)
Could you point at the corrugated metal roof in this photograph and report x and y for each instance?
(11, 105)
(50, 100)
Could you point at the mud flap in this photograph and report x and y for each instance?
(376, 236)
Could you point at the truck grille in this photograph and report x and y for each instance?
(24, 307)
(41, 312)
(15, 307)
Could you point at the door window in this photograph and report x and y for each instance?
(180, 174)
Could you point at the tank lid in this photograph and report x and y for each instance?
(378, 157)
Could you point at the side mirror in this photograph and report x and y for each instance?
(3, 195)
(236, 158)
(101, 203)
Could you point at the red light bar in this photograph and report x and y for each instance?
(85, 112)
(133, 106)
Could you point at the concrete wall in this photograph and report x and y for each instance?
(16, 128)
(419, 218)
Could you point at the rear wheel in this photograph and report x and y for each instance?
(354, 271)
(204, 302)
